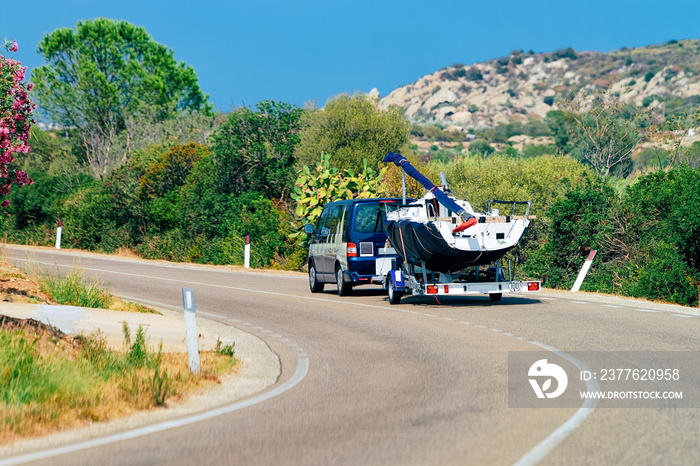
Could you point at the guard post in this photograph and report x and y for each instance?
(191, 330)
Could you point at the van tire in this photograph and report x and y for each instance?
(343, 288)
(314, 284)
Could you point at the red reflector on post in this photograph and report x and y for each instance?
(352, 250)
(432, 289)
(533, 286)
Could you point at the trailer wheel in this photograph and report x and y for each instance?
(343, 288)
(394, 295)
(314, 284)
(495, 296)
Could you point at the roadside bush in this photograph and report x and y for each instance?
(577, 224)
(88, 223)
(663, 206)
(660, 273)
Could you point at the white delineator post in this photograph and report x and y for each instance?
(583, 272)
(191, 330)
(246, 261)
(58, 235)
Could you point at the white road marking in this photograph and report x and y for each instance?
(301, 371)
(210, 314)
(685, 316)
(610, 305)
(429, 315)
(579, 302)
(494, 330)
(531, 458)
(543, 448)
(448, 318)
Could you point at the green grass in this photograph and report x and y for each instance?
(50, 382)
(73, 291)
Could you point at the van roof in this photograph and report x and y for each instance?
(373, 199)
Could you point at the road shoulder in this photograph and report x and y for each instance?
(260, 370)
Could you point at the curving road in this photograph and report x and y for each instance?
(418, 383)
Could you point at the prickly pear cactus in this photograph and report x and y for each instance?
(315, 187)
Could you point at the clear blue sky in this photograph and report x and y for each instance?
(312, 50)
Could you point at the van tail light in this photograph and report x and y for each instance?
(432, 289)
(352, 250)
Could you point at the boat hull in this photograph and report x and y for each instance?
(418, 243)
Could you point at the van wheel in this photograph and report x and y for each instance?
(343, 288)
(495, 296)
(394, 295)
(314, 284)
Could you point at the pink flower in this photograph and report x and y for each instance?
(13, 47)
(30, 86)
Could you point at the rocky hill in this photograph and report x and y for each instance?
(525, 85)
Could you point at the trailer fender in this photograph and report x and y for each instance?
(395, 280)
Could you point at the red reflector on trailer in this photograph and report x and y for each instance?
(352, 250)
(447, 289)
(432, 289)
(533, 286)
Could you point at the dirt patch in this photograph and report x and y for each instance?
(17, 287)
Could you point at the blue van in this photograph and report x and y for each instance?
(349, 245)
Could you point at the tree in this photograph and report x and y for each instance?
(352, 128)
(254, 151)
(605, 132)
(674, 134)
(15, 122)
(104, 74)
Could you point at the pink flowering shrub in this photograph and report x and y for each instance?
(15, 120)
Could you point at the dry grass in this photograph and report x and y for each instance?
(52, 381)
(128, 253)
(19, 287)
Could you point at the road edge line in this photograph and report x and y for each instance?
(542, 449)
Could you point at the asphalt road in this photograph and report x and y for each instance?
(417, 383)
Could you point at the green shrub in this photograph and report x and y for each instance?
(577, 224)
(473, 74)
(481, 147)
(660, 273)
(532, 150)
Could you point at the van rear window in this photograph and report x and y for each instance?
(370, 218)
